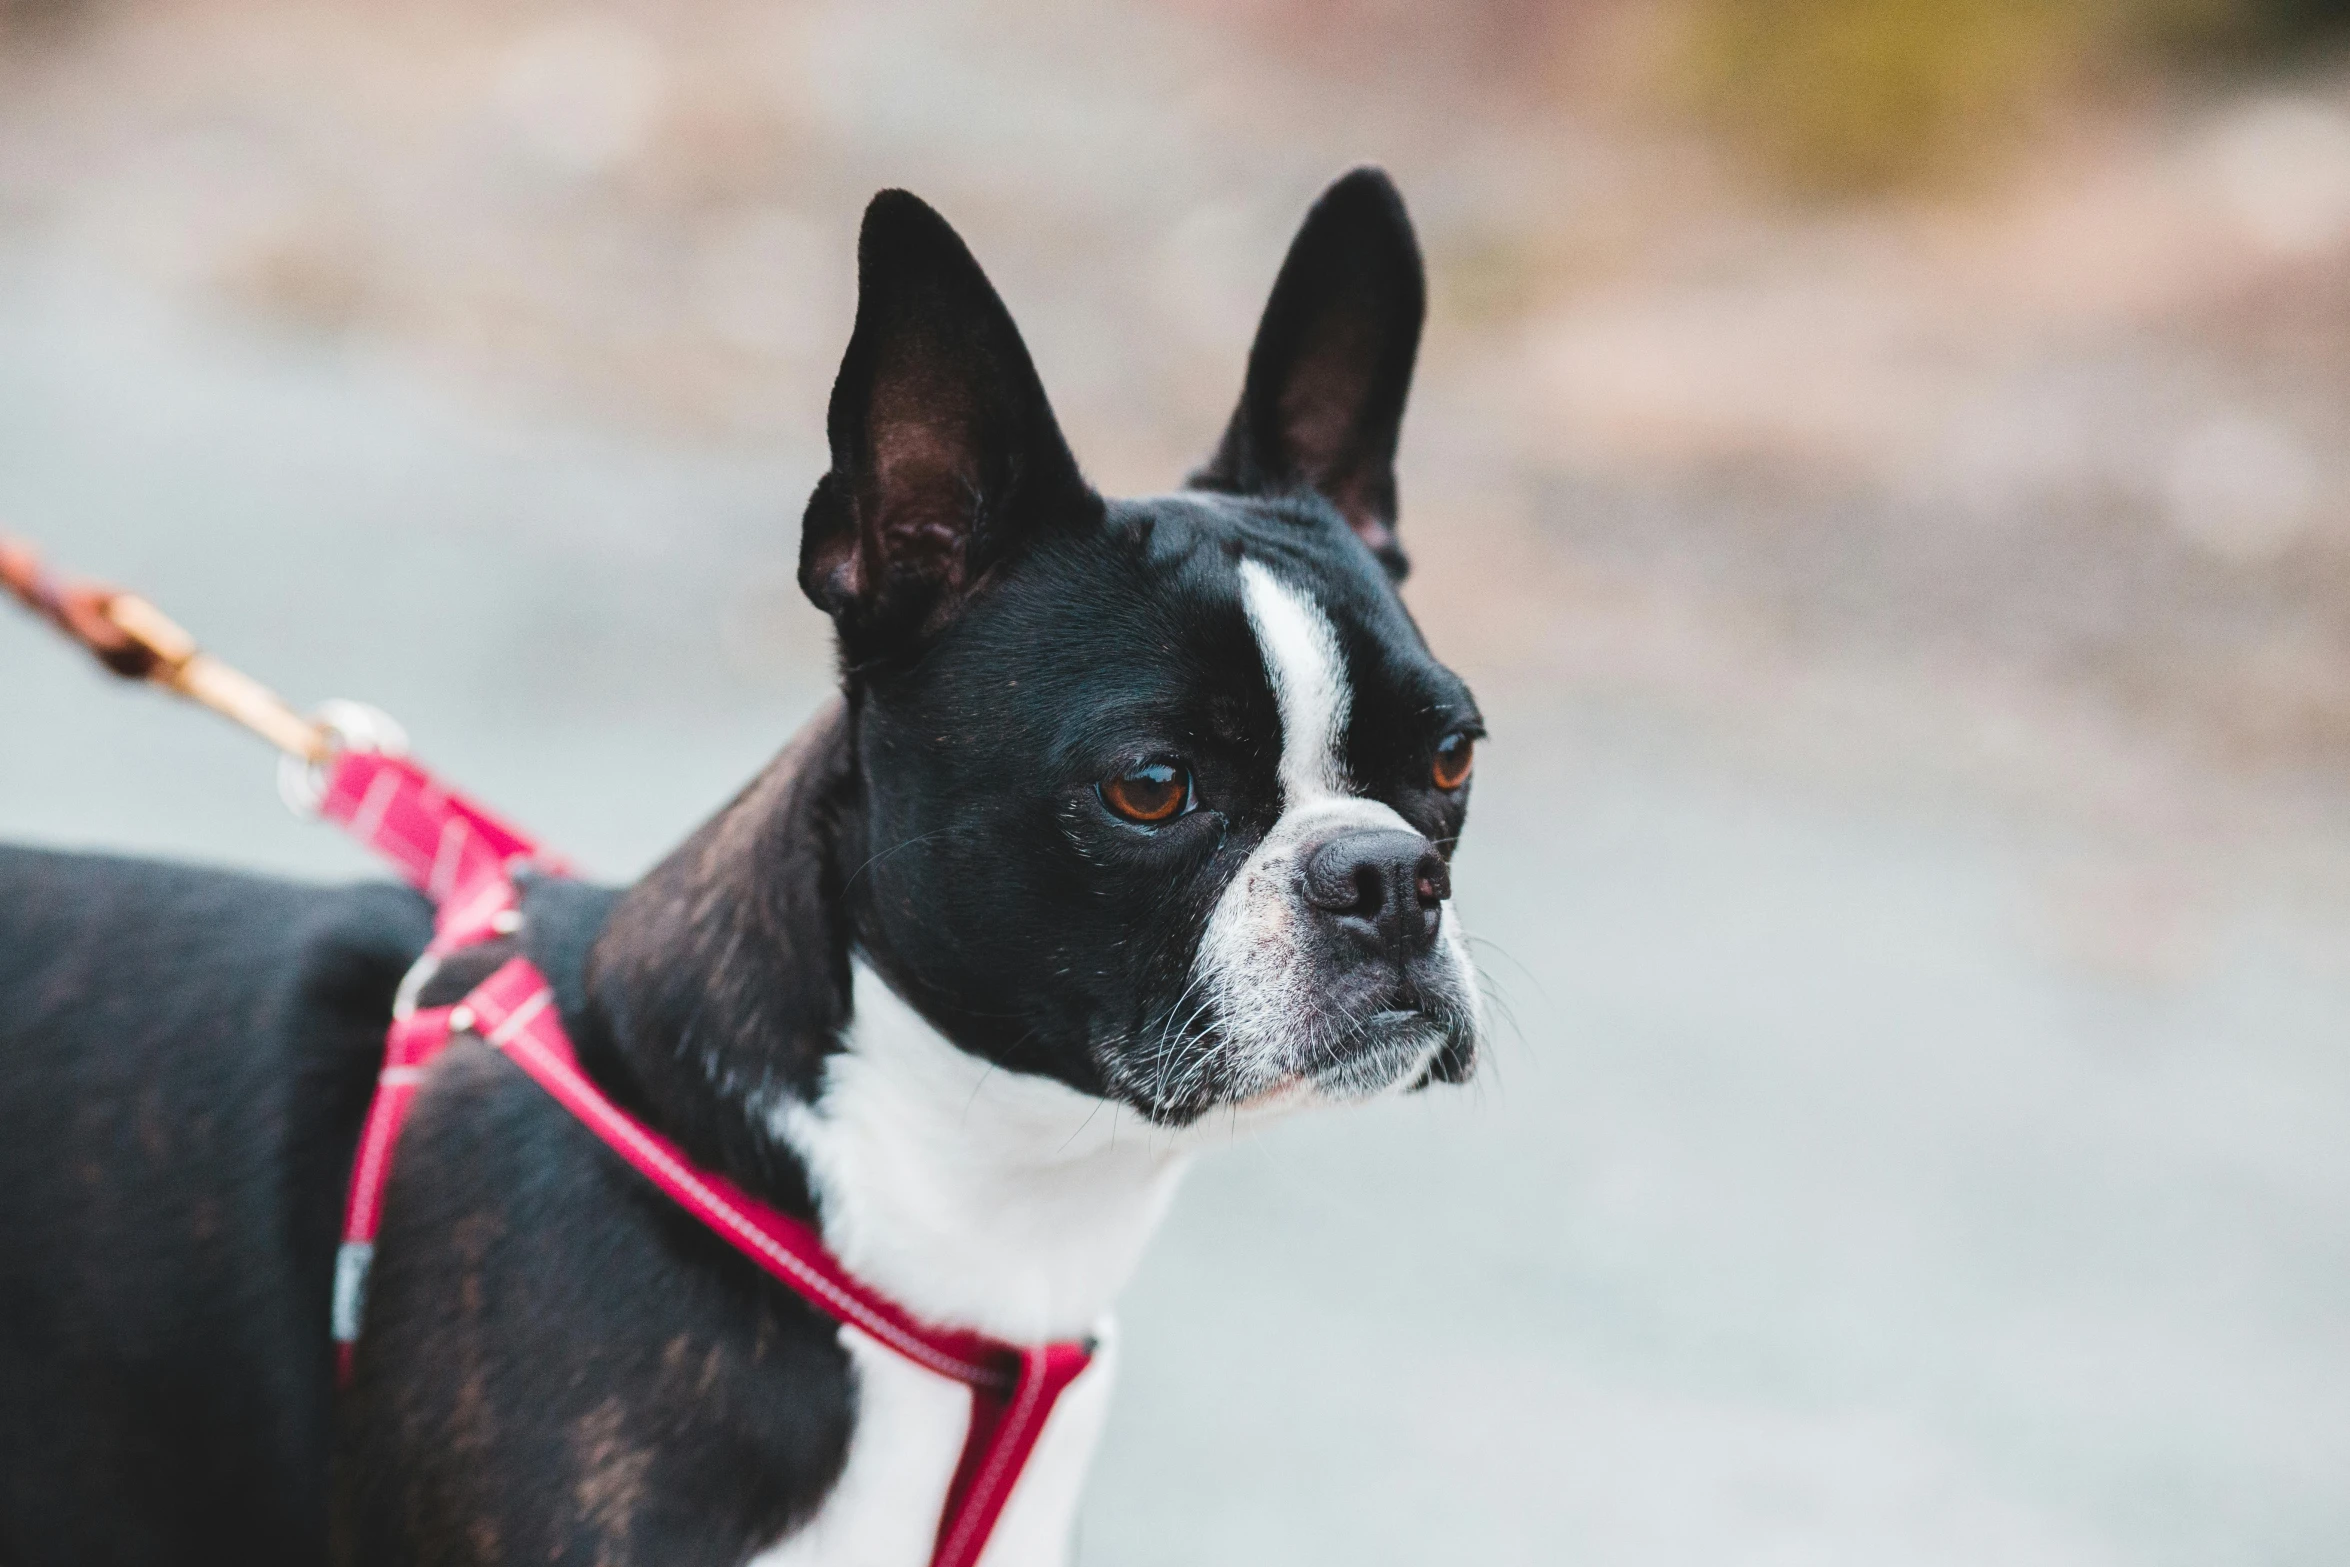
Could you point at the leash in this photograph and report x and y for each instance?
(465, 859)
(132, 638)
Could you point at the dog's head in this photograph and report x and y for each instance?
(1160, 794)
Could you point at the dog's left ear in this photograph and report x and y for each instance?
(946, 457)
(1323, 403)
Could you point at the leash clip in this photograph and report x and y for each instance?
(343, 726)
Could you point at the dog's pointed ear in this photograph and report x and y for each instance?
(1323, 403)
(945, 455)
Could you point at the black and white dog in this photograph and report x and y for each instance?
(1132, 823)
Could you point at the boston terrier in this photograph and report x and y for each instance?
(1131, 824)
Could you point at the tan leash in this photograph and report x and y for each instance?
(134, 639)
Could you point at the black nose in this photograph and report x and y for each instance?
(1384, 887)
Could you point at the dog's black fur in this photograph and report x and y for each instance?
(558, 1365)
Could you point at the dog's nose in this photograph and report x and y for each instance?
(1384, 887)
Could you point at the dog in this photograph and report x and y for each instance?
(1132, 823)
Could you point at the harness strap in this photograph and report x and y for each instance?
(463, 857)
(448, 848)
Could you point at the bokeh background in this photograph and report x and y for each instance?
(1884, 466)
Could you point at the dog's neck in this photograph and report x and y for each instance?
(996, 1200)
(727, 983)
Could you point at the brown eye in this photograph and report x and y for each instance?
(1153, 792)
(1454, 757)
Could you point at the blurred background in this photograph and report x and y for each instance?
(1885, 467)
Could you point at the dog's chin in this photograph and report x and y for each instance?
(1388, 1050)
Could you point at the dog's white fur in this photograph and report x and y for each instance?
(983, 1199)
(1309, 685)
(971, 1195)
(1252, 962)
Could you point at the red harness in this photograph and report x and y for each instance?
(463, 859)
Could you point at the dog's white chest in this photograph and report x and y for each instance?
(884, 1510)
(977, 1198)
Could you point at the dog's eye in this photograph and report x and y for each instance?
(1455, 755)
(1153, 792)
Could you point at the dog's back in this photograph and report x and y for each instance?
(185, 1056)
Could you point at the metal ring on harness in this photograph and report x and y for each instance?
(355, 726)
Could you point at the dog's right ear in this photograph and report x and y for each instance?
(946, 457)
(1322, 407)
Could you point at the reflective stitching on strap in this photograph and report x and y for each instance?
(447, 856)
(374, 1154)
(1002, 1442)
(367, 821)
(520, 1018)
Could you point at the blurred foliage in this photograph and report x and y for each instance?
(35, 21)
(1857, 95)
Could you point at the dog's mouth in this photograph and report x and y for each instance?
(1397, 1043)
(1390, 1046)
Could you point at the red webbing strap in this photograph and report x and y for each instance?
(439, 840)
(457, 854)
(410, 1046)
(462, 856)
(1003, 1434)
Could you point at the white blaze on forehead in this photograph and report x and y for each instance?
(1309, 683)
